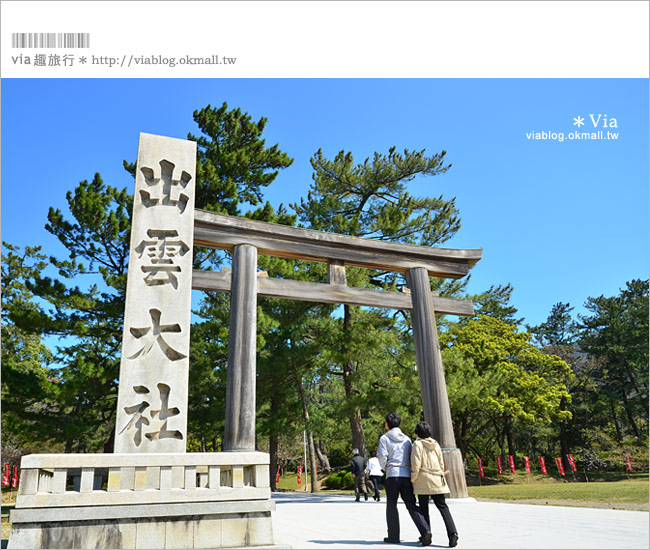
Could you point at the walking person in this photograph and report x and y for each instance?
(394, 454)
(375, 473)
(428, 477)
(358, 468)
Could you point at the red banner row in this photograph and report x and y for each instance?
(14, 480)
(542, 465)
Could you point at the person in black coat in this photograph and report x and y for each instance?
(358, 468)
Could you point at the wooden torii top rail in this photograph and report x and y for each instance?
(219, 231)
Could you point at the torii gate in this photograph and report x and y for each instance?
(245, 238)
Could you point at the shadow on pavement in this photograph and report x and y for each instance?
(350, 543)
(320, 498)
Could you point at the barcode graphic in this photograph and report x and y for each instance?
(50, 40)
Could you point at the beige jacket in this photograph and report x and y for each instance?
(427, 468)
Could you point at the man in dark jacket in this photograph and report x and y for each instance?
(358, 467)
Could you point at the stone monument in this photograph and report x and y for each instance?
(150, 493)
(154, 370)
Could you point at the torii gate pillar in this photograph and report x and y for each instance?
(433, 388)
(239, 434)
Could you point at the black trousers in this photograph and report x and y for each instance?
(375, 484)
(359, 485)
(439, 501)
(401, 486)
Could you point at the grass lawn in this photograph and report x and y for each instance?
(602, 491)
(290, 483)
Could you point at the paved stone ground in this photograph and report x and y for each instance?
(336, 521)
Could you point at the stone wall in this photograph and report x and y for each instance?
(143, 500)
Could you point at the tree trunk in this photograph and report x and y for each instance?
(628, 412)
(619, 434)
(273, 460)
(69, 442)
(564, 446)
(109, 446)
(312, 461)
(633, 380)
(356, 425)
(564, 438)
(322, 458)
(533, 455)
(461, 435)
(501, 436)
(512, 450)
(310, 436)
(273, 447)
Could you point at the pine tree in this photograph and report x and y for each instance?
(371, 200)
(29, 389)
(233, 164)
(498, 379)
(615, 334)
(87, 319)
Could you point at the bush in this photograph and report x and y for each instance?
(348, 481)
(333, 481)
(340, 480)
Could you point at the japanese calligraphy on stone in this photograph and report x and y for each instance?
(165, 190)
(151, 335)
(148, 421)
(159, 254)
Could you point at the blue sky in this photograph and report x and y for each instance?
(560, 221)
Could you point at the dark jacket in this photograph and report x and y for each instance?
(358, 465)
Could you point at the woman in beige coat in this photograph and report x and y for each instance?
(428, 478)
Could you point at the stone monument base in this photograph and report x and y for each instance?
(143, 501)
(456, 473)
(210, 525)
